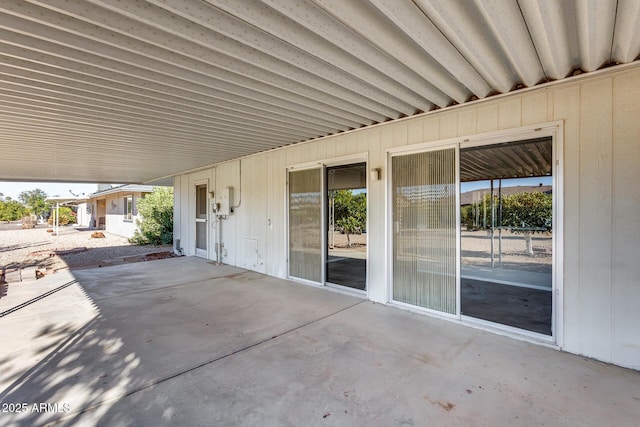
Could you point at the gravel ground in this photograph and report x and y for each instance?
(73, 248)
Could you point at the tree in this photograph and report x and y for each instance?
(35, 200)
(350, 212)
(12, 210)
(156, 226)
(528, 213)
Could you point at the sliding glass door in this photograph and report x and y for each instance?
(424, 229)
(305, 225)
(506, 243)
(473, 232)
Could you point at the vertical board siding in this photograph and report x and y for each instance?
(487, 118)
(252, 212)
(341, 146)
(414, 132)
(567, 108)
(467, 122)
(626, 225)
(595, 223)
(376, 231)
(510, 113)
(534, 108)
(400, 134)
(448, 125)
(431, 128)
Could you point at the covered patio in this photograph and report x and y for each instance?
(182, 341)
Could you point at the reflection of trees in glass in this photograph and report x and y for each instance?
(525, 213)
(350, 211)
(528, 213)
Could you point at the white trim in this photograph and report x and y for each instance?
(558, 235)
(323, 225)
(458, 237)
(509, 331)
(330, 161)
(346, 289)
(403, 151)
(552, 130)
(423, 310)
(288, 170)
(305, 281)
(345, 161)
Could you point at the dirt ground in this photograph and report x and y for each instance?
(476, 249)
(72, 248)
(339, 241)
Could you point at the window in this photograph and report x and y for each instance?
(128, 208)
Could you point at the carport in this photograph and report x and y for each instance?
(246, 106)
(221, 345)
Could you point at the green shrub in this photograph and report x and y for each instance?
(12, 210)
(67, 216)
(156, 225)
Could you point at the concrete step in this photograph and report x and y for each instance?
(12, 276)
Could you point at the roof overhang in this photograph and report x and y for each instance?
(136, 91)
(67, 201)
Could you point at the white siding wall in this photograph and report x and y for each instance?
(84, 219)
(114, 222)
(601, 117)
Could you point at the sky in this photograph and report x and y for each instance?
(12, 189)
(533, 182)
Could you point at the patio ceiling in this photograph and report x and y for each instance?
(132, 91)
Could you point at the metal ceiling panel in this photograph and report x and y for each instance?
(133, 91)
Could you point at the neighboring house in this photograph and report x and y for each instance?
(113, 209)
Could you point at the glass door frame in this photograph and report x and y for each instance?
(554, 130)
(351, 160)
(322, 166)
(422, 148)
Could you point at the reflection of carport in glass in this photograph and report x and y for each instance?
(506, 199)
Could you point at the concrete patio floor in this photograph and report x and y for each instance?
(184, 342)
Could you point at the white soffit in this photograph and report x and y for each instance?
(131, 90)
